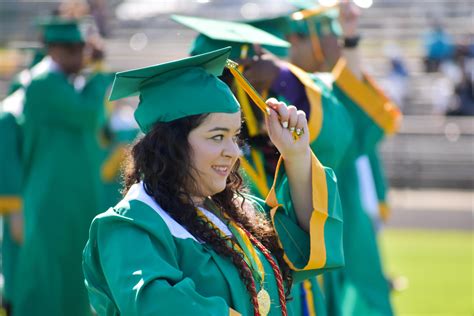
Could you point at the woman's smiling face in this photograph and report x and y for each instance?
(215, 150)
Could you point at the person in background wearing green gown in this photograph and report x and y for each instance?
(186, 239)
(60, 187)
(361, 287)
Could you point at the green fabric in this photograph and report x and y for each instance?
(10, 185)
(11, 173)
(333, 292)
(286, 225)
(203, 44)
(10, 169)
(332, 235)
(378, 173)
(61, 31)
(278, 26)
(61, 189)
(165, 89)
(170, 267)
(357, 305)
(346, 133)
(216, 34)
(331, 147)
(10, 250)
(363, 271)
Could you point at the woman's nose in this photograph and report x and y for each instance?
(232, 149)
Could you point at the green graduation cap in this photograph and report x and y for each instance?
(60, 30)
(177, 89)
(216, 34)
(278, 26)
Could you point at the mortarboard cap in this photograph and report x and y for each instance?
(177, 89)
(278, 26)
(60, 30)
(216, 34)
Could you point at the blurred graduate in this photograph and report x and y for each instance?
(58, 115)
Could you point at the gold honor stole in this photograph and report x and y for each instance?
(10, 204)
(368, 96)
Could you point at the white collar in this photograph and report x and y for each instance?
(137, 192)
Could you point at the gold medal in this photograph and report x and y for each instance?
(264, 303)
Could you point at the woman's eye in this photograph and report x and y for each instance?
(218, 137)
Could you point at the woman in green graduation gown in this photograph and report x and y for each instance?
(186, 239)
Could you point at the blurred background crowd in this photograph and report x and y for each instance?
(421, 53)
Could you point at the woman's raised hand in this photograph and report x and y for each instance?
(288, 129)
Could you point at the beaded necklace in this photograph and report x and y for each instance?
(244, 243)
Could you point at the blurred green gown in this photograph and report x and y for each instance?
(340, 131)
(61, 192)
(10, 171)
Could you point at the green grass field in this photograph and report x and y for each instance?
(439, 268)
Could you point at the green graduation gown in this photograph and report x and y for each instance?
(343, 127)
(61, 188)
(11, 171)
(331, 144)
(362, 288)
(173, 273)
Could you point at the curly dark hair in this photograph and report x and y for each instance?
(165, 153)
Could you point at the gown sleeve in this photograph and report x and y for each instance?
(144, 280)
(320, 250)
